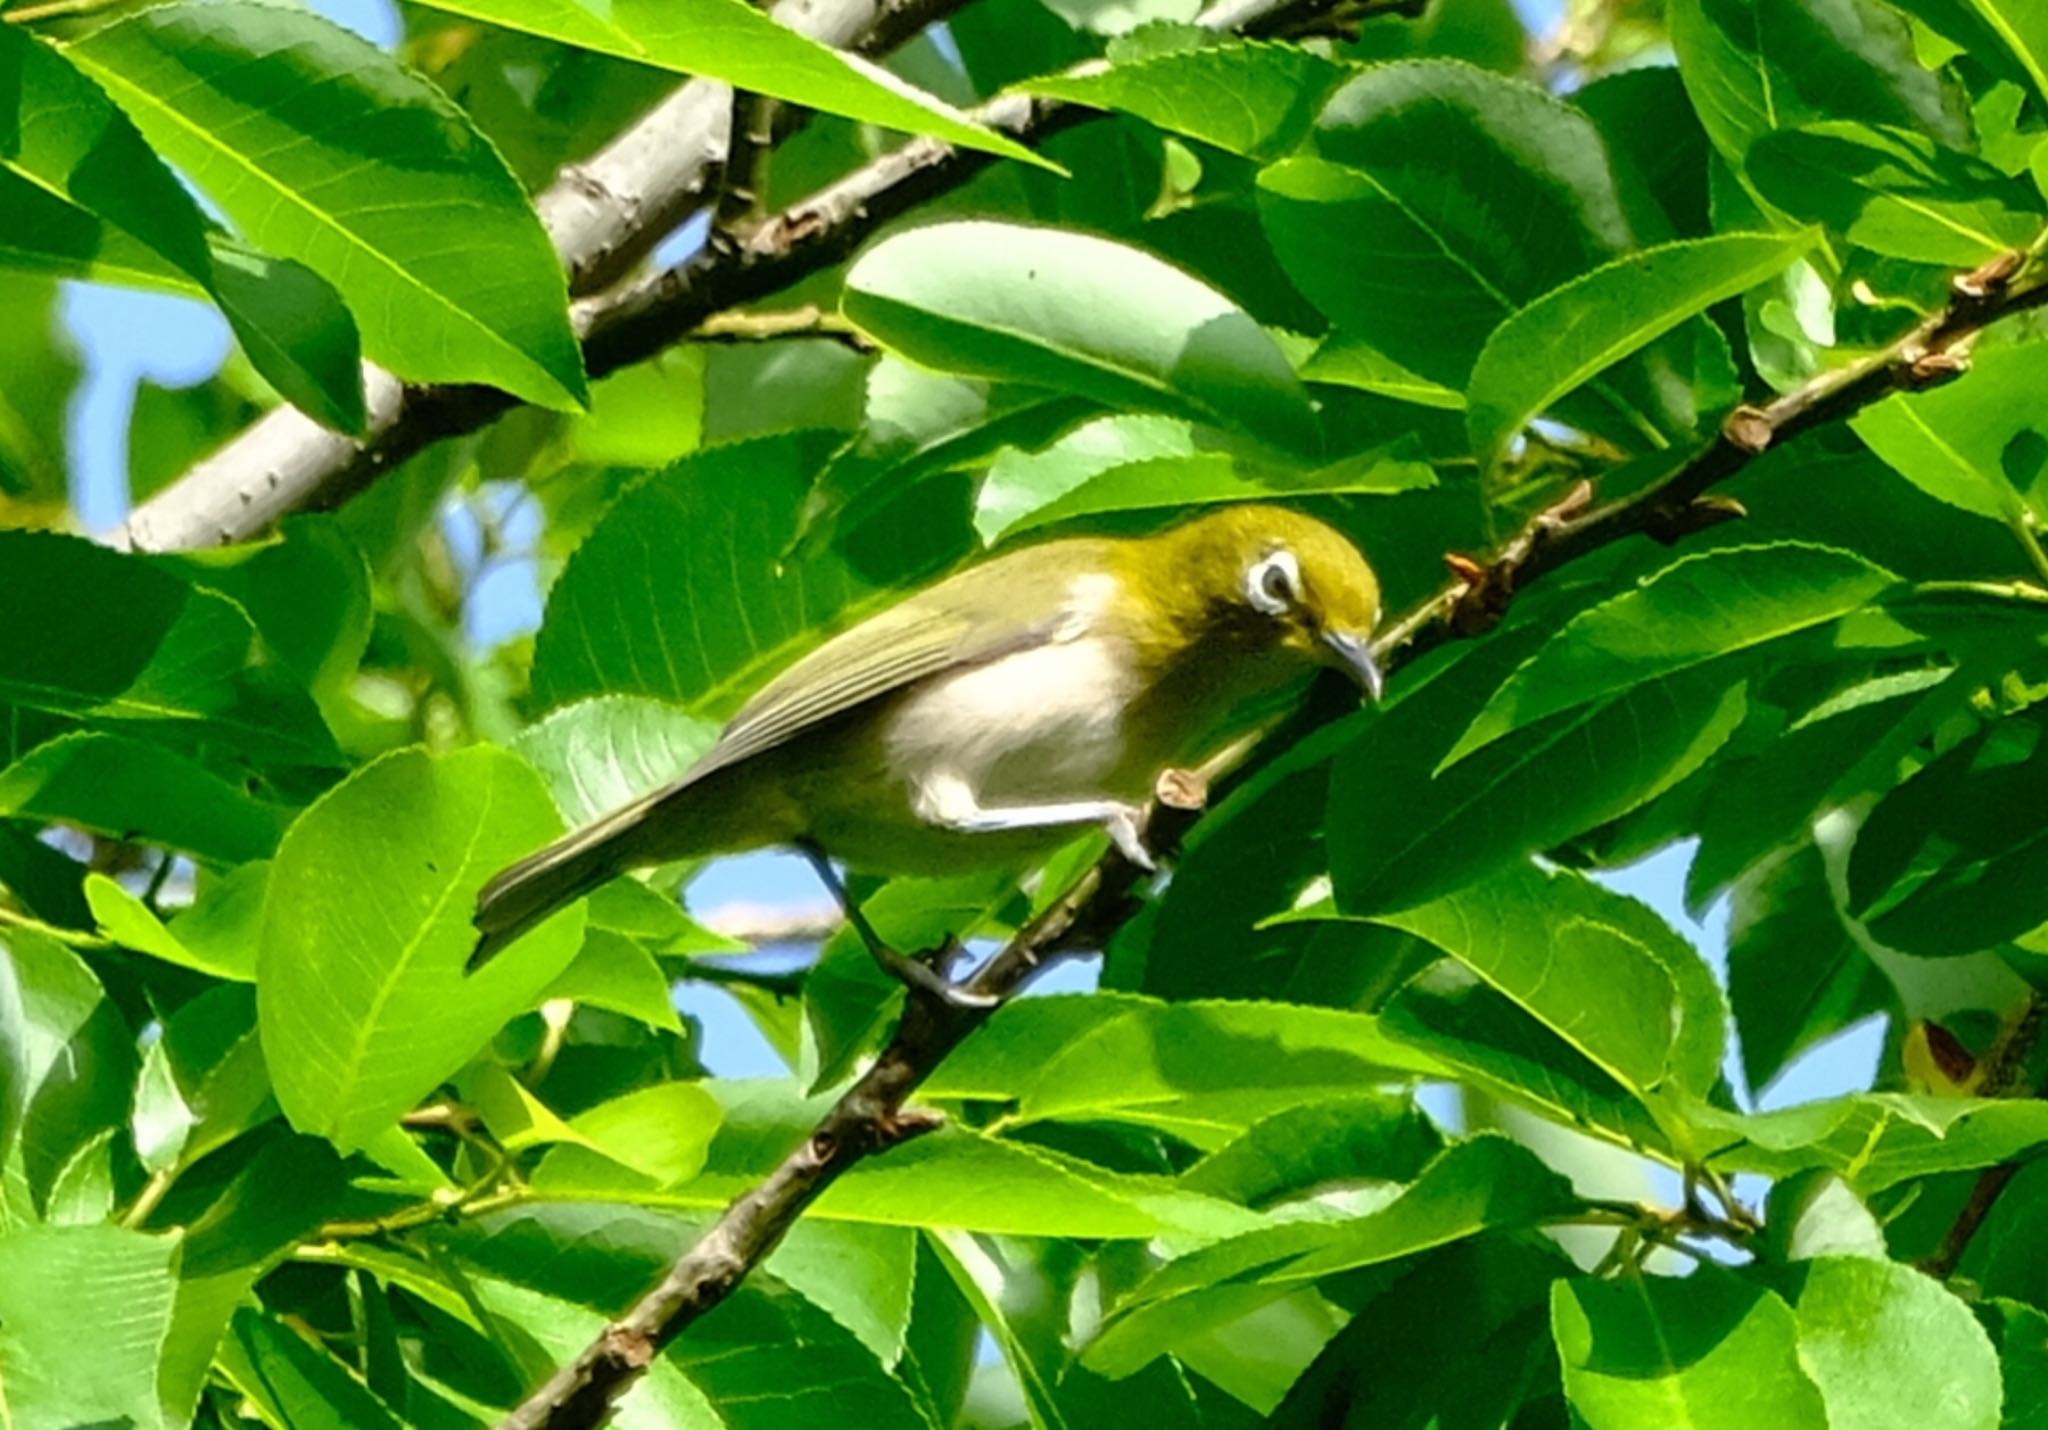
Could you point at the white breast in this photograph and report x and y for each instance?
(1043, 725)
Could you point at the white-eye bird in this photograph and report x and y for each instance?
(989, 718)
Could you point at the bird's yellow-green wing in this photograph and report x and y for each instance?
(1003, 606)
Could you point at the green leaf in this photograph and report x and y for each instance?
(980, 1278)
(1753, 66)
(1951, 442)
(1697, 609)
(682, 592)
(618, 973)
(1202, 1071)
(1473, 1187)
(1126, 329)
(660, 1132)
(1572, 334)
(359, 984)
(1987, 27)
(308, 595)
(67, 1067)
(602, 754)
(217, 935)
(554, 1275)
(955, 1178)
(1345, 361)
(1707, 1352)
(1955, 860)
(1337, 1141)
(1021, 482)
(1258, 853)
(1416, 163)
(2023, 1348)
(646, 415)
(1896, 192)
(275, 1202)
(1275, 91)
(296, 329)
(656, 920)
(1878, 1140)
(1461, 1339)
(83, 1315)
(1816, 1214)
(1598, 968)
(324, 150)
(1450, 1015)
(1524, 793)
(296, 1381)
(127, 789)
(211, 1063)
(1835, 750)
(1870, 1333)
(1796, 976)
(732, 41)
(42, 366)
(91, 198)
(146, 650)
(920, 427)
(1145, 463)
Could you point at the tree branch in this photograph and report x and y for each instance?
(1936, 350)
(604, 215)
(870, 1118)
(286, 463)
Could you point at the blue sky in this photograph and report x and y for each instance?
(127, 336)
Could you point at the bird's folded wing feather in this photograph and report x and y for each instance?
(1011, 604)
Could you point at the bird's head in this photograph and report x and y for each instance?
(1288, 580)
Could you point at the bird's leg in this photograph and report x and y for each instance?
(909, 971)
(951, 804)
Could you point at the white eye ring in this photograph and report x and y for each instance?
(1273, 583)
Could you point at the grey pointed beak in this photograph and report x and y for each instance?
(1354, 653)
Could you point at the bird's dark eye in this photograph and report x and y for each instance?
(1274, 583)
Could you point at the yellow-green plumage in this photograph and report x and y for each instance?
(1058, 679)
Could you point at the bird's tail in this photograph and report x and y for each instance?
(574, 865)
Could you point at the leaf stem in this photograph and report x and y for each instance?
(2016, 518)
(151, 1195)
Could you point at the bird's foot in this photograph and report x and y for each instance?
(914, 973)
(928, 974)
(1126, 827)
(1182, 789)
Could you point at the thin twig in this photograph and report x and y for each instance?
(743, 189)
(150, 1197)
(809, 321)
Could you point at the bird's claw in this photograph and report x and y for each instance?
(916, 974)
(1127, 832)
